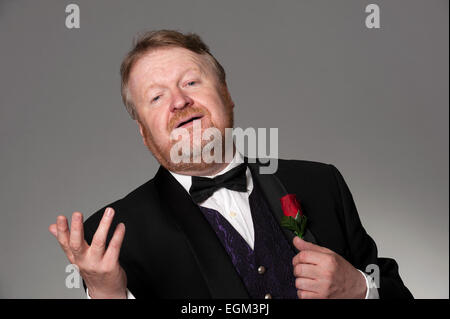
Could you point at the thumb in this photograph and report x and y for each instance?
(301, 244)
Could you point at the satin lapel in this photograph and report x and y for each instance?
(273, 190)
(214, 262)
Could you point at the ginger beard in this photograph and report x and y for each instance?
(162, 152)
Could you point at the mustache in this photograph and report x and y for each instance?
(185, 113)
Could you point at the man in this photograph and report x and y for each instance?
(203, 229)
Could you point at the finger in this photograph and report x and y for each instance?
(99, 240)
(301, 244)
(52, 229)
(76, 240)
(113, 251)
(308, 257)
(304, 294)
(62, 234)
(306, 271)
(307, 284)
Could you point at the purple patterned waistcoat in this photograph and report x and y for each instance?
(271, 250)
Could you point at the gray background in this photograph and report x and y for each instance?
(372, 102)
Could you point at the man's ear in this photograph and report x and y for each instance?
(231, 102)
(142, 131)
(226, 94)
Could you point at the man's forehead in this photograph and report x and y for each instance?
(168, 59)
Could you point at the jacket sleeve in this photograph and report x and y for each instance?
(363, 250)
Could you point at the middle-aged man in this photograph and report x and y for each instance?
(202, 229)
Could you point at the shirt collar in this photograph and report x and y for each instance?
(186, 180)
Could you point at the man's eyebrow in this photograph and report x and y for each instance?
(195, 69)
(153, 84)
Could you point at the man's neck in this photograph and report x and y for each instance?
(210, 169)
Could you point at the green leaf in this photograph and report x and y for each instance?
(290, 223)
(303, 225)
(297, 224)
(298, 217)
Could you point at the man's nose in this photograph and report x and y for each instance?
(180, 101)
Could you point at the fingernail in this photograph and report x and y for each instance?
(109, 212)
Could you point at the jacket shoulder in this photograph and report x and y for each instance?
(294, 166)
(296, 163)
(309, 177)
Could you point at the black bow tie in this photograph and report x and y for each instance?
(203, 187)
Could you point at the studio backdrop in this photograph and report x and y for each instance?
(366, 94)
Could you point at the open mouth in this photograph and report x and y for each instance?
(188, 121)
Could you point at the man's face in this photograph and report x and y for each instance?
(170, 88)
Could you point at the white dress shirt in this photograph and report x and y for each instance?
(234, 206)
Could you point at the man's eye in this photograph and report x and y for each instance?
(191, 83)
(156, 98)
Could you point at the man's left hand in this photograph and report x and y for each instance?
(321, 273)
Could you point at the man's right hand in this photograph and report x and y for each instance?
(100, 269)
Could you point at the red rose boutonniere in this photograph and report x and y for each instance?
(293, 218)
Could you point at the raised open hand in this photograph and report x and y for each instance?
(99, 267)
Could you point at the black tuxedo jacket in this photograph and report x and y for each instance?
(171, 251)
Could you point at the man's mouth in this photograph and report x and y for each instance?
(188, 120)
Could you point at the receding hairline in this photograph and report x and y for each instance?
(200, 56)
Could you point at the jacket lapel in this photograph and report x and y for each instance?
(215, 264)
(273, 190)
